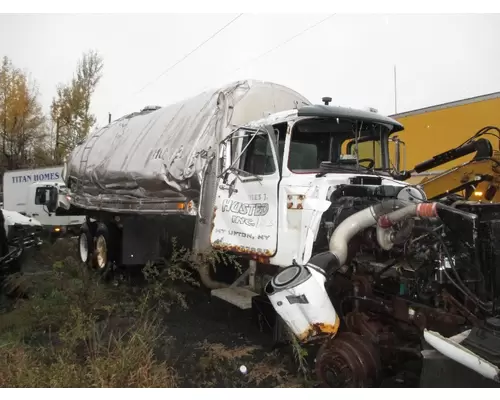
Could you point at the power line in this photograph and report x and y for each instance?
(284, 43)
(189, 54)
(246, 63)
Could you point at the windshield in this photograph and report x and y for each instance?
(314, 141)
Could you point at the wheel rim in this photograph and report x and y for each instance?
(84, 248)
(102, 252)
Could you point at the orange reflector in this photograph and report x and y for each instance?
(181, 206)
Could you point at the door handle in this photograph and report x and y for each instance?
(35, 215)
(229, 187)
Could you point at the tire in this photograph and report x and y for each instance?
(85, 245)
(104, 250)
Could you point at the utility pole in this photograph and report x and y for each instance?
(395, 92)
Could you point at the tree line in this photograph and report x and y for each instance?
(31, 138)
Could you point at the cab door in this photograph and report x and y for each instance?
(36, 203)
(246, 205)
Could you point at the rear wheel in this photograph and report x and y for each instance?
(83, 249)
(104, 253)
(85, 245)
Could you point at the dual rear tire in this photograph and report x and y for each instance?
(96, 249)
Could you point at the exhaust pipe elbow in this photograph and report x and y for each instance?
(341, 237)
(355, 223)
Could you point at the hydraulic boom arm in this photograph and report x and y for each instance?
(479, 177)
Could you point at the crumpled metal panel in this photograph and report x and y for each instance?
(145, 160)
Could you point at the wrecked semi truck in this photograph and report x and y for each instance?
(357, 264)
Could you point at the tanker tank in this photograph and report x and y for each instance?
(146, 160)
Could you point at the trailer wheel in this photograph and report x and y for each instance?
(102, 247)
(105, 254)
(85, 244)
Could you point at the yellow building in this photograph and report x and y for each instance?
(433, 130)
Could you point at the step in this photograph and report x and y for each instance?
(238, 296)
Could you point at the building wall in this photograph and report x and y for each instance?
(433, 132)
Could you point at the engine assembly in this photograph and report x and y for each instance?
(393, 273)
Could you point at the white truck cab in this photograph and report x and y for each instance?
(278, 173)
(26, 191)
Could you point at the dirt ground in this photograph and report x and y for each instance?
(63, 325)
(211, 345)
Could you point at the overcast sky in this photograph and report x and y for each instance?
(350, 58)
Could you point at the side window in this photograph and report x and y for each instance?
(258, 157)
(41, 196)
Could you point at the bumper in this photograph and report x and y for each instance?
(454, 357)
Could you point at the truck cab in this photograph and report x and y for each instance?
(28, 191)
(279, 172)
(56, 225)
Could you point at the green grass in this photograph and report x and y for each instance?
(75, 331)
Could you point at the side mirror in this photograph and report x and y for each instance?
(53, 199)
(400, 147)
(225, 155)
